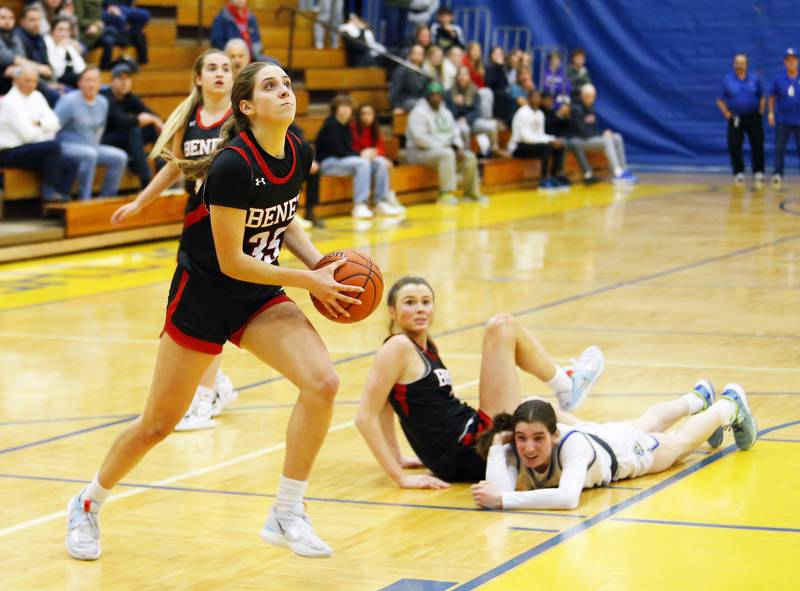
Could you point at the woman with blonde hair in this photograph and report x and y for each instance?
(191, 132)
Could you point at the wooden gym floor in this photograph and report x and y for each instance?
(679, 278)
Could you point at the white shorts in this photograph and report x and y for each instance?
(633, 448)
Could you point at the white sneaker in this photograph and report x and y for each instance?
(199, 414)
(758, 180)
(224, 394)
(293, 530)
(386, 208)
(584, 373)
(738, 179)
(83, 529)
(447, 199)
(361, 212)
(391, 198)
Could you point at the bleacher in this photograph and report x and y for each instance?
(165, 81)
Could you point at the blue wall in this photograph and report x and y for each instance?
(658, 66)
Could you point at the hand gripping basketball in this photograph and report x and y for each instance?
(358, 270)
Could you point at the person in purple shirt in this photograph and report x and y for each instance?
(784, 111)
(742, 105)
(555, 81)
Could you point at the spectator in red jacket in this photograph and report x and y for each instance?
(368, 143)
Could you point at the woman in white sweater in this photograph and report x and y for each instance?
(534, 462)
(63, 52)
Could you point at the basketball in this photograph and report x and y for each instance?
(359, 270)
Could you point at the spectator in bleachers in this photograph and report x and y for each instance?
(63, 52)
(129, 22)
(477, 71)
(555, 81)
(364, 54)
(522, 87)
(93, 31)
(337, 157)
(445, 32)
(235, 21)
(742, 104)
(497, 80)
(33, 44)
(434, 64)
(131, 124)
(12, 54)
(512, 68)
(556, 123)
(784, 111)
(408, 86)
(530, 140)
(83, 115)
(239, 54)
(464, 103)
(329, 12)
(27, 130)
(433, 140)
(422, 37)
(368, 143)
(53, 9)
(586, 136)
(454, 58)
(577, 72)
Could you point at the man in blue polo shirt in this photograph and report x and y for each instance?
(742, 104)
(784, 110)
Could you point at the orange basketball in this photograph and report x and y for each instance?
(359, 270)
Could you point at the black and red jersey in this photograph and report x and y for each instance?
(198, 142)
(244, 176)
(434, 421)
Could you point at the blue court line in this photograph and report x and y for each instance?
(791, 530)
(780, 440)
(239, 493)
(604, 515)
(549, 531)
(618, 487)
(418, 585)
(548, 305)
(66, 435)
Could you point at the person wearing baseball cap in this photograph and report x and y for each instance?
(131, 124)
(742, 104)
(433, 140)
(784, 111)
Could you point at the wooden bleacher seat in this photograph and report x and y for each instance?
(82, 218)
(25, 184)
(345, 78)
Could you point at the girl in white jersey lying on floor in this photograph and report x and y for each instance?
(191, 132)
(410, 378)
(552, 462)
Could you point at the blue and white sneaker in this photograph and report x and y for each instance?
(548, 185)
(705, 390)
(83, 529)
(584, 373)
(293, 530)
(744, 427)
(629, 177)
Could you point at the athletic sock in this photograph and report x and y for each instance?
(95, 492)
(726, 409)
(694, 402)
(290, 495)
(560, 382)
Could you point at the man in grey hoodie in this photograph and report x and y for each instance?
(433, 140)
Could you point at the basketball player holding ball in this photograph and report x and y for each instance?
(228, 287)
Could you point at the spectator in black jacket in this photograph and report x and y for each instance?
(32, 41)
(586, 136)
(577, 73)
(408, 86)
(334, 150)
(13, 52)
(446, 34)
(497, 79)
(556, 123)
(131, 124)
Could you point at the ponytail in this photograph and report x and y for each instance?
(500, 423)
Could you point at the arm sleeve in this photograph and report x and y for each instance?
(576, 453)
(20, 123)
(64, 111)
(49, 121)
(500, 468)
(229, 181)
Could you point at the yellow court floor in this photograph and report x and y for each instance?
(678, 278)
